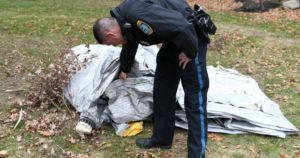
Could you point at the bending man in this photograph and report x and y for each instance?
(181, 57)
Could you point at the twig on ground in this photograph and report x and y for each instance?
(13, 90)
(20, 118)
(59, 147)
(53, 103)
(65, 103)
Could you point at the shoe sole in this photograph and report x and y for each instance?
(161, 147)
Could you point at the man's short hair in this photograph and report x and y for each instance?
(101, 26)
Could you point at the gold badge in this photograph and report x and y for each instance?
(144, 27)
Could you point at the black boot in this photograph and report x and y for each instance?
(147, 144)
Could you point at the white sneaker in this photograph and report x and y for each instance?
(83, 128)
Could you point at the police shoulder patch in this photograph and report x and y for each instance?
(144, 27)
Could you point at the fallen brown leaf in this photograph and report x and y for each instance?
(19, 69)
(72, 140)
(19, 138)
(152, 155)
(3, 153)
(40, 142)
(283, 155)
(19, 102)
(46, 133)
(45, 146)
(238, 147)
(253, 152)
(224, 146)
(31, 125)
(14, 110)
(82, 156)
(298, 155)
(215, 137)
(52, 152)
(167, 155)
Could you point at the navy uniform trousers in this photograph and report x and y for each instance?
(195, 83)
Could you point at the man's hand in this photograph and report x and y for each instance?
(183, 60)
(122, 75)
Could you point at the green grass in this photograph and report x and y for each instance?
(52, 18)
(280, 28)
(33, 32)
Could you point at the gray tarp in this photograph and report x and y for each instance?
(236, 105)
(86, 87)
(123, 94)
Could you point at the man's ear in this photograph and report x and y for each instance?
(110, 34)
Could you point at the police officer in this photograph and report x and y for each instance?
(181, 57)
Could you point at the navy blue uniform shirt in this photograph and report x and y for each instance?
(151, 22)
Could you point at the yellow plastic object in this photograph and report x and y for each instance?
(133, 129)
